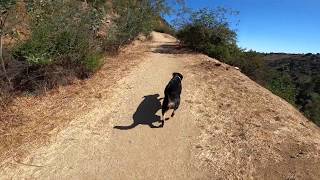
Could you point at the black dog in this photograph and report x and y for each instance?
(172, 94)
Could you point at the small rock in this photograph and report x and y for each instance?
(99, 96)
(277, 118)
(237, 68)
(291, 156)
(303, 124)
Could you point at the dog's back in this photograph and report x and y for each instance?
(173, 89)
(172, 93)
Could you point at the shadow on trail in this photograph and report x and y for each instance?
(172, 49)
(145, 113)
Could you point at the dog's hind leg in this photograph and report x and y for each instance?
(173, 113)
(177, 104)
(164, 108)
(163, 117)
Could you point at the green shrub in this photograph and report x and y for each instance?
(93, 62)
(62, 43)
(133, 18)
(6, 4)
(282, 85)
(60, 32)
(208, 31)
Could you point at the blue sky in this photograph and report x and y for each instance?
(291, 26)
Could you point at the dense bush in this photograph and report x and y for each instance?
(61, 31)
(62, 43)
(209, 32)
(132, 18)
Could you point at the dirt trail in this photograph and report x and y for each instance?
(227, 127)
(92, 148)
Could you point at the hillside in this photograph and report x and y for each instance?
(302, 72)
(227, 127)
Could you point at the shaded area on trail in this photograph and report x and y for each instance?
(145, 113)
(172, 48)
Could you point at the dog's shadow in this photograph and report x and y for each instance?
(145, 113)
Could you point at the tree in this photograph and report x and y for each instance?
(209, 31)
(5, 6)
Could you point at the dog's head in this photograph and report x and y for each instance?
(177, 74)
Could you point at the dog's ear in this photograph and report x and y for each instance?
(180, 75)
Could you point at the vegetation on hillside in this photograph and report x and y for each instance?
(63, 40)
(302, 80)
(297, 81)
(208, 31)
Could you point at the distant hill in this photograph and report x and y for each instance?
(287, 56)
(303, 71)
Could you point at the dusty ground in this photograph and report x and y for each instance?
(227, 127)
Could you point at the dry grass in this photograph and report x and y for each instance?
(31, 121)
